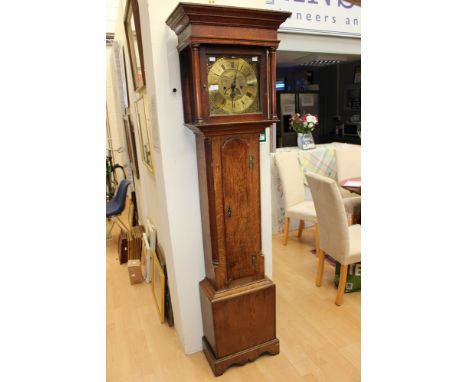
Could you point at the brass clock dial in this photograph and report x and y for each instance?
(233, 85)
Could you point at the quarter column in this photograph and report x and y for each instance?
(273, 83)
(196, 83)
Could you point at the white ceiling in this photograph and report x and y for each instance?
(289, 58)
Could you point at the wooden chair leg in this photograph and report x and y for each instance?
(317, 239)
(341, 285)
(286, 231)
(320, 256)
(301, 227)
(321, 260)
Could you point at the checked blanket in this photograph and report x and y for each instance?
(320, 160)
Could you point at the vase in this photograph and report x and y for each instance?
(305, 141)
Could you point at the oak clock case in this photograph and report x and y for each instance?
(225, 58)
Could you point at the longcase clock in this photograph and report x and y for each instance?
(228, 70)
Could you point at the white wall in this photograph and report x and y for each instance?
(266, 209)
(170, 197)
(145, 186)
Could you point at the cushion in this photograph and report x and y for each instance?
(302, 211)
(352, 204)
(291, 176)
(354, 245)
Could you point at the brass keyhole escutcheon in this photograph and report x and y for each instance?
(229, 212)
(254, 260)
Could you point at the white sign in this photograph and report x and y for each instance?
(288, 109)
(288, 104)
(331, 17)
(307, 99)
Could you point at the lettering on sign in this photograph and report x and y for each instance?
(333, 17)
(354, 269)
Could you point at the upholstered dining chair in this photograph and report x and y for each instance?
(337, 239)
(296, 205)
(348, 165)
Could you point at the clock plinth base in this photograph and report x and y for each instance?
(219, 365)
(239, 323)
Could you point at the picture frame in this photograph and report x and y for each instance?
(121, 76)
(152, 234)
(146, 259)
(132, 28)
(123, 70)
(158, 284)
(144, 127)
(131, 145)
(357, 75)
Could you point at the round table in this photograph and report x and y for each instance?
(350, 185)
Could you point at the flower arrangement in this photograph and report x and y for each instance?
(303, 124)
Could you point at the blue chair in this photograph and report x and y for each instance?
(117, 205)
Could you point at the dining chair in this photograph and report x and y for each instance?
(348, 165)
(116, 206)
(296, 205)
(337, 239)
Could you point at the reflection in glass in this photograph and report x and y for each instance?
(133, 34)
(145, 134)
(139, 75)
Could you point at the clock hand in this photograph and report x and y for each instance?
(233, 90)
(235, 78)
(233, 86)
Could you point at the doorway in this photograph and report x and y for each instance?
(325, 85)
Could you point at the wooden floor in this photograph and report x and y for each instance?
(318, 340)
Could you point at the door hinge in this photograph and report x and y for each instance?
(251, 159)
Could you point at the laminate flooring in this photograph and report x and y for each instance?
(319, 341)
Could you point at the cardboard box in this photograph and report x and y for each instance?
(135, 243)
(353, 279)
(123, 247)
(134, 272)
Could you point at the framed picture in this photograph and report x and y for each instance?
(288, 103)
(357, 75)
(152, 234)
(131, 146)
(135, 44)
(120, 74)
(145, 131)
(158, 285)
(146, 259)
(123, 70)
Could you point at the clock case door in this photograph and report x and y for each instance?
(229, 178)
